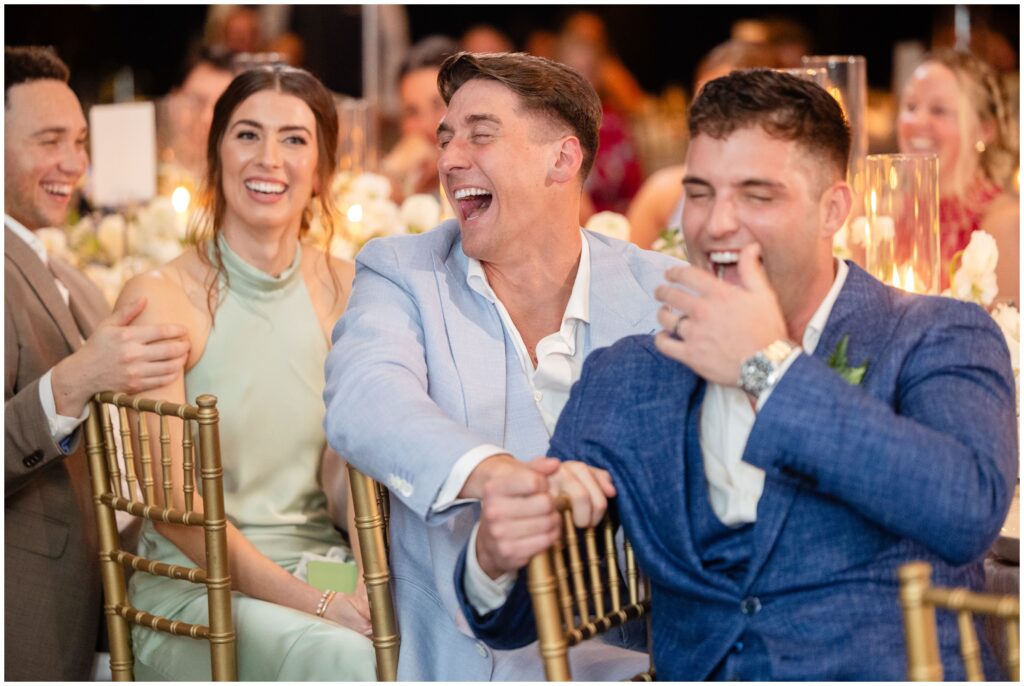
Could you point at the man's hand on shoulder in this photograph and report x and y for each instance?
(722, 324)
(120, 356)
(519, 516)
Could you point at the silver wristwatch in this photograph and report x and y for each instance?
(760, 371)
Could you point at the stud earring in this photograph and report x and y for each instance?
(980, 146)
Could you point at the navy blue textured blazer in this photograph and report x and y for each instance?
(918, 462)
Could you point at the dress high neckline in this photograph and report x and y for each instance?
(251, 281)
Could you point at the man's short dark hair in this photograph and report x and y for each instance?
(432, 51)
(542, 86)
(785, 106)
(32, 63)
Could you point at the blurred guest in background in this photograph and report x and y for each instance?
(617, 174)
(658, 205)
(242, 31)
(786, 37)
(614, 82)
(58, 352)
(542, 43)
(486, 38)
(190, 108)
(258, 309)
(953, 107)
(412, 162)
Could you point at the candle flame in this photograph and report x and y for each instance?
(180, 199)
(907, 282)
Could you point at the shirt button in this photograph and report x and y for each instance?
(482, 649)
(538, 396)
(737, 647)
(750, 606)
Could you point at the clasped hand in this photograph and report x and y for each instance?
(519, 516)
(722, 324)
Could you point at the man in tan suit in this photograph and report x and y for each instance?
(58, 351)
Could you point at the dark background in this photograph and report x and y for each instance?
(660, 44)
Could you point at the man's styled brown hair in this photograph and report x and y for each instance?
(542, 85)
(785, 106)
(32, 63)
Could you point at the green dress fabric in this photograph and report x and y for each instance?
(264, 361)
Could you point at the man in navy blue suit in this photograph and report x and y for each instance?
(795, 433)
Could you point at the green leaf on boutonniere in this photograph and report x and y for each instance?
(838, 361)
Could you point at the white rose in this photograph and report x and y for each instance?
(55, 241)
(158, 219)
(883, 228)
(976, 288)
(108, 279)
(610, 224)
(381, 218)
(162, 251)
(857, 231)
(369, 186)
(110, 234)
(981, 254)
(420, 212)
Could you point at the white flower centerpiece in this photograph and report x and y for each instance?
(366, 211)
(973, 278)
(111, 248)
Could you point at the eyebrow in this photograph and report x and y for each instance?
(746, 183)
(257, 125)
(59, 130)
(445, 127)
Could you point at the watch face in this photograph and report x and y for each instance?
(756, 373)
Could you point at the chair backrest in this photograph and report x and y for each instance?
(371, 504)
(919, 600)
(575, 599)
(140, 498)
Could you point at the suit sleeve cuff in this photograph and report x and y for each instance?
(61, 427)
(484, 593)
(448, 495)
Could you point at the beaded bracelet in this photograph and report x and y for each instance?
(325, 600)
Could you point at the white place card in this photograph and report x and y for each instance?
(123, 147)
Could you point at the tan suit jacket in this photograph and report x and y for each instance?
(52, 594)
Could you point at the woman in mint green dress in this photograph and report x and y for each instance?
(259, 308)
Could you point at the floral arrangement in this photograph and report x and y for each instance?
(366, 211)
(112, 248)
(973, 278)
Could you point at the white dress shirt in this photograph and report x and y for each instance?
(734, 487)
(60, 426)
(559, 363)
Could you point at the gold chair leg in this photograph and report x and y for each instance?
(111, 571)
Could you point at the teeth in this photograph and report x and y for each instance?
(57, 188)
(724, 257)
(470, 192)
(265, 186)
(924, 144)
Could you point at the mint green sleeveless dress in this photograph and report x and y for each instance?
(264, 361)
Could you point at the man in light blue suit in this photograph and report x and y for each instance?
(822, 429)
(459, 346)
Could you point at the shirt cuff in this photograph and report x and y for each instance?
(449, 493)
(783, 368)
(60, 426)
(484, 593)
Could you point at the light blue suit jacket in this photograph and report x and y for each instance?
(421, 371)
(918, 462)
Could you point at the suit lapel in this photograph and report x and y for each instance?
(618, 304)
(42, 282)
(477, 340)
(858, 311)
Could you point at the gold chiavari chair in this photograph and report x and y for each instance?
(142, 500)
(371, 504)
(569, 593)
(920, 599)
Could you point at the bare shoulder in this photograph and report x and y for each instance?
(1003, 214)
(329, 280)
